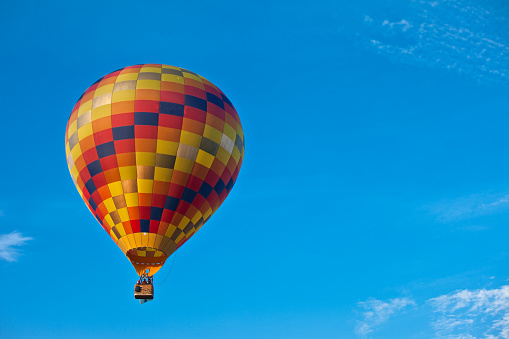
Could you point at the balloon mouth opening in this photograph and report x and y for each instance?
(146, 258)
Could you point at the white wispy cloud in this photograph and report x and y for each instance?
(403, 25)
(376, 312)
(469, 206)
(482, 313)
(9, 243)
(462, 314)
(461, 35)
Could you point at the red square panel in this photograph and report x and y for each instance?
(158, 200)
(109, 162)
(154, 225)
(145, 132)
(167, 216)
(171, 121)
(90, 156)
(195, 114)
(103, 136)
(175, 97)
(197, 92)
(124, 119)
(135, 226)
(124, 146)
(151, 106)
(99, 180)
(194, 183)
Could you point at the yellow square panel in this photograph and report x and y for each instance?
(190, 138)
(84, 107)
(127, 172)
(74, 172)
(101, 112)
(183, 223)
(120, 229)
(110, 205)
(172, 78)
(103, 90)
(123, 214)
(204, 158)
(230, 132)
(85, 131)
(148, 84)
(212, 134)
(236, 154)
(107, 220)
(76, 151)
(170, 230)
(170, 67)
(191, 232)
(191, 76)
(196, 217)
(181, 235)
(223, 155)
(131, 199)
(116, 188)
(127, 76)
(145, 159)
(163, 174)
(73, 127)
(240, 131)
(184, 165)
(123, 96)
(145, 185)
(150, 70)
(167, 147)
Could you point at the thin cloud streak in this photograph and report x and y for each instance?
(8, 244)
(458, 35)
(470, 206)
(376, 312)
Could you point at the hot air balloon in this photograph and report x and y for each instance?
(153, 151)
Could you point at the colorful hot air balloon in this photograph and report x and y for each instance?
(153, 151)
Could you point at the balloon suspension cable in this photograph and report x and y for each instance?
(169, 271)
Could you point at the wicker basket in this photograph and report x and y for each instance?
(143, 291)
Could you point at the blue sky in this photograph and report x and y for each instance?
(373, 201)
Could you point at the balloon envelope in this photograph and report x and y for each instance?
(153, 151)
